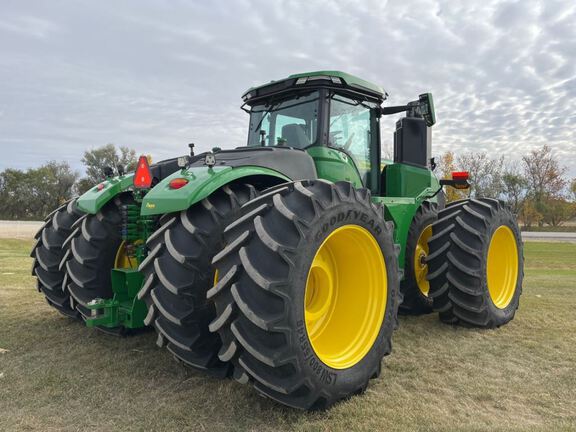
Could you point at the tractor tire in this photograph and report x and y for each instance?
(476, 263)
(282, 326)
(91, 255)
(178, 272)
(414, 287)
(48, 252)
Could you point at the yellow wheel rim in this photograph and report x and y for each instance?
(420, 267)
(345, 298)
(122, 260)
(502, 266)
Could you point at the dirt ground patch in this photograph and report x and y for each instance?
(18, 229)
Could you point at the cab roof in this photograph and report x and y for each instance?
(316, 78)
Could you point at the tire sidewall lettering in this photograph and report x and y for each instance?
(349, 217)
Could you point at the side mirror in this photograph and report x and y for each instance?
(426, 103)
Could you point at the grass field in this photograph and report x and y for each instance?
(55, 374)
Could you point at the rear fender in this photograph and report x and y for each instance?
(95, 198)
(202, 181)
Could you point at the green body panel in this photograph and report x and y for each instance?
(406, 188)
(94, 199)
(401, 211)
(202, 181)
(334, 165)
(124, 309)
(406, 181)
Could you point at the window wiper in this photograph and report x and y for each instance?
(268, 111)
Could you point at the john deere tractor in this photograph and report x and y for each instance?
(283, 263)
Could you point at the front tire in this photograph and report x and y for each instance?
(415, 287)
(476, 263)
(307, 294)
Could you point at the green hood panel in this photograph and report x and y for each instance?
(202, 181)
(94, 199)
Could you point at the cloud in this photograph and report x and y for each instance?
(155, 76)
(28, 26)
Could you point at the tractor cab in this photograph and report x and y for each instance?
(337, 111)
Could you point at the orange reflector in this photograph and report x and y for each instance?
(177, 183)
(460, 175)
(142, 176)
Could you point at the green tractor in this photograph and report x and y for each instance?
(283, 263)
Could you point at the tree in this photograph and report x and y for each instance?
(83, 185)
(544, 174)
(545, 183)
(34, 193)
(556, 210)
(485, 173)
(514, 189)
(529, 214)
(573, 189)
(97, 159)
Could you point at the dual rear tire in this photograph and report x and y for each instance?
(178, 273)
(90, 254)
(48, 252)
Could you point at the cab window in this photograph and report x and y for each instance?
(350, 131)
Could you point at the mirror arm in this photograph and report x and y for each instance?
(392, 109)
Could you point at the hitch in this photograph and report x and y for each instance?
(123, 309)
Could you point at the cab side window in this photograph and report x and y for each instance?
(349, 130)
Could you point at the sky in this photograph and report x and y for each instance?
(157, 75)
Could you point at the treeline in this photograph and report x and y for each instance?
(32, 194)
(537, 189)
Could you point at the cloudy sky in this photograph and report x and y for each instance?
(155, 75)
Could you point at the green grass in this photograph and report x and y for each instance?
(561, 228)
(59, 375)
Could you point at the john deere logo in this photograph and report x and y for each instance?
(150, 205)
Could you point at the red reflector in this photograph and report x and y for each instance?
(460, 175)
(177, 183)
(100, 186)
(142, 176)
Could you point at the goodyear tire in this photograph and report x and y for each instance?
(48, 252)
(282, 324)
(415, 287)
(476, 263)
(178, 272)
(91, 254)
